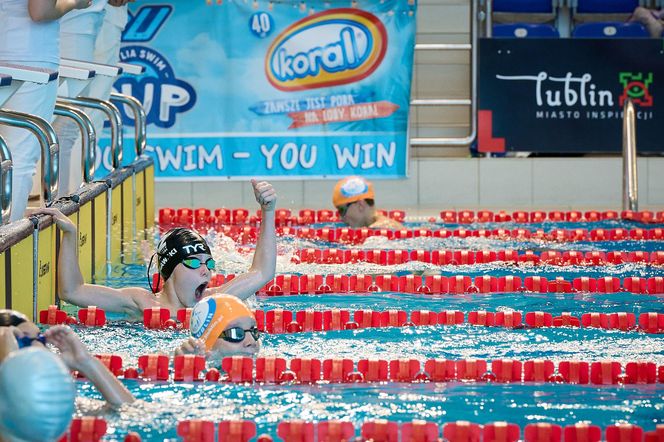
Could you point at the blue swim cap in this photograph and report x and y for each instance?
(37, 395)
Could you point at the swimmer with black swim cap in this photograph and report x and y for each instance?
(185, 265)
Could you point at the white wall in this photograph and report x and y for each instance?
(435, 184)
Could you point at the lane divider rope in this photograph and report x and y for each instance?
(189, 216)
(278, 321)
(471, 257)
(239, 369)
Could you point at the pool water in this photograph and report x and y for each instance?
(164, 404)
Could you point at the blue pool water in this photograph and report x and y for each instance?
(163, 404)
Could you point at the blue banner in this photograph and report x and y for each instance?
(238, 89)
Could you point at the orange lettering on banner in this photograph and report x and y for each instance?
(355, 112)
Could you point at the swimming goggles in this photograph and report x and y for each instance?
(343, 209)
(237, 334)
(26, 341)
(194, 263)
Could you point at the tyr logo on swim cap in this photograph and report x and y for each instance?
(176, 245)
(351, 189)
(212, 315)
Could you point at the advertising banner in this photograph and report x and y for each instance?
(567, 95)
(290, 89)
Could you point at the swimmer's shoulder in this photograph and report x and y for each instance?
(383, 222)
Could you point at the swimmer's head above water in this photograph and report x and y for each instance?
(27, 333)
(185, 262)
(226, 326)
(36, 396)
(354, 199)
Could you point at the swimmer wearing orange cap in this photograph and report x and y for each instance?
(221, 325)
(354, 199)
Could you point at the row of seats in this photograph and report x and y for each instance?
(577, 6)
(582, 30)
(584, 18)
(92, 429)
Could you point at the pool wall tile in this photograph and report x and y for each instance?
(564, 183)
(435, 184)
(655, 183)
(174, 194)
(448, 183)
(505, 183)
(214, 194)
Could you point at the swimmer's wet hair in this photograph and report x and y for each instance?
(11, 318)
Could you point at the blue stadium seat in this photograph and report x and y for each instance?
(523, 6)
(606, 6)
(609, 30)
(525, 30)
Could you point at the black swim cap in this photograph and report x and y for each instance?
(10, 318)
(176, 245)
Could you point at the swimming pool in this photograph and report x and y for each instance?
(167, 403)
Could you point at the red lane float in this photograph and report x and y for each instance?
(284, 321)
(470, 257)
(275, 370)
(202, 216)
(457, 284)
(92, 317)
(248, 233)
(195, 430)
(279, 320)
(85, 429)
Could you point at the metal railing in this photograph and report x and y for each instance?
(88, 138)
(50, 150)
(140, 125)
(5, 182)
(630, 176)
(472, 101)
(113, 115)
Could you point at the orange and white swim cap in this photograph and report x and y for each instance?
(351, 189)
(211, 316)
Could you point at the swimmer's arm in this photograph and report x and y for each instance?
(49, 10)
(72, 287)
(77, 357)
(265, 257)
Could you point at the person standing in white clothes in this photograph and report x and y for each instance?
(29, 36)
(78, 36)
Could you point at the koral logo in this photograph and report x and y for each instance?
(193, 248)
(635, 86)
(334, 47)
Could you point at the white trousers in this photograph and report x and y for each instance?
(101, 48)
(35, 99)
(77, 47)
